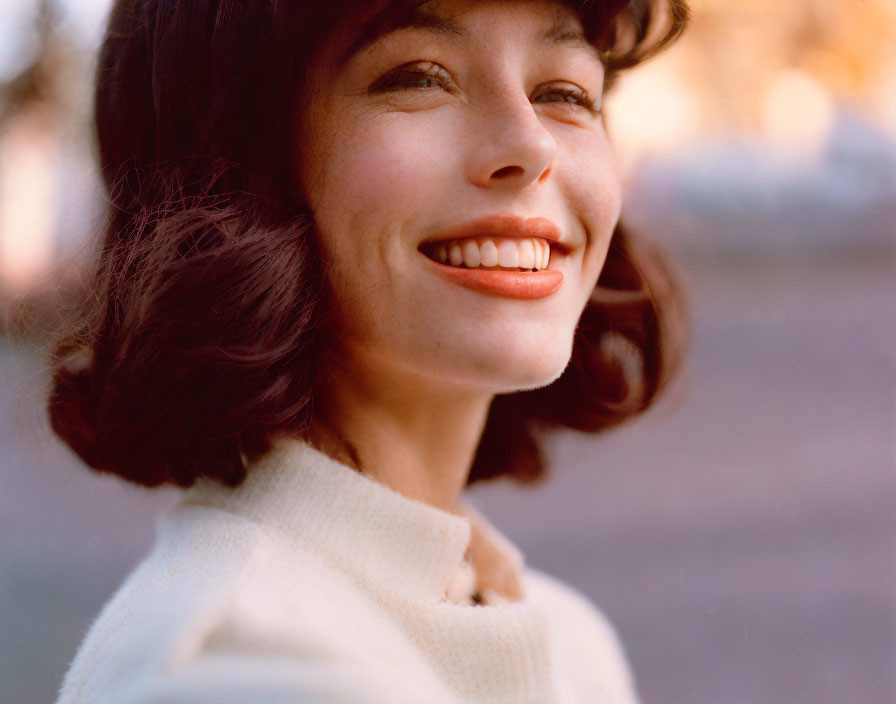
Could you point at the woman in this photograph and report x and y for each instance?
(352, 266)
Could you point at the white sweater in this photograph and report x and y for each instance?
(311, 583)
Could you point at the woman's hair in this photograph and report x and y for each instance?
(206, 330)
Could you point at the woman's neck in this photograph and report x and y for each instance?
(417, 437)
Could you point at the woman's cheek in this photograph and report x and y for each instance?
(397, 159)
(596, 193)
(599, 182)
(382, 174)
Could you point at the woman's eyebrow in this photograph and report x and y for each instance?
(562, 35)
(437, 24)
(558, 34)
(417, 19)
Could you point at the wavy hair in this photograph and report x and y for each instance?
(206, 328)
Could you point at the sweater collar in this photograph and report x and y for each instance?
(374, 533)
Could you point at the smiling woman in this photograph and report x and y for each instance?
(359, 256)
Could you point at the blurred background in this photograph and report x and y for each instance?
(742, 535)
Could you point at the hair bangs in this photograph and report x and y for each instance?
(626, 32)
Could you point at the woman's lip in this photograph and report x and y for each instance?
(505, 225)
(522, 285)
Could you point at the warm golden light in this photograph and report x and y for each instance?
(760, 68)
(27, 198)
(651, 111)
(797, 112)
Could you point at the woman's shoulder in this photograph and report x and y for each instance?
(583, 638)
(216, 610)
(563, 600)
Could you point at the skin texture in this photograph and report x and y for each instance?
(383, 170)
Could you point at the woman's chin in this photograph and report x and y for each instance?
(528, 379)
(510, 373)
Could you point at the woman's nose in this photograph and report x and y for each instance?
(510, 144)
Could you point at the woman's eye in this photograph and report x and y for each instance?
(576, 97)
(421, 75)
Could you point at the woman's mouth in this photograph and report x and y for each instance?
(501, 266)
(495, 253)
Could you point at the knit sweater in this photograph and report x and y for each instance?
(312, 583)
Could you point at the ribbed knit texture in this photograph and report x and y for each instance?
(311, 583)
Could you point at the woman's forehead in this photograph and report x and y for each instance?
(446, 17)
(455, 8)
(450, 13)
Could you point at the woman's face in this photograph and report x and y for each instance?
(482, 109)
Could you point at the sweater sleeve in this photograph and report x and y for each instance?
(584, 641)
(238, 679)
(236, 624)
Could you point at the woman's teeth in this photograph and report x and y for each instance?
(489, 252)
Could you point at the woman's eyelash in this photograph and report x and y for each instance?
(410, 76)
(417, 72)
(570, 96)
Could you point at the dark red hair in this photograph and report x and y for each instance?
(207, 329)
